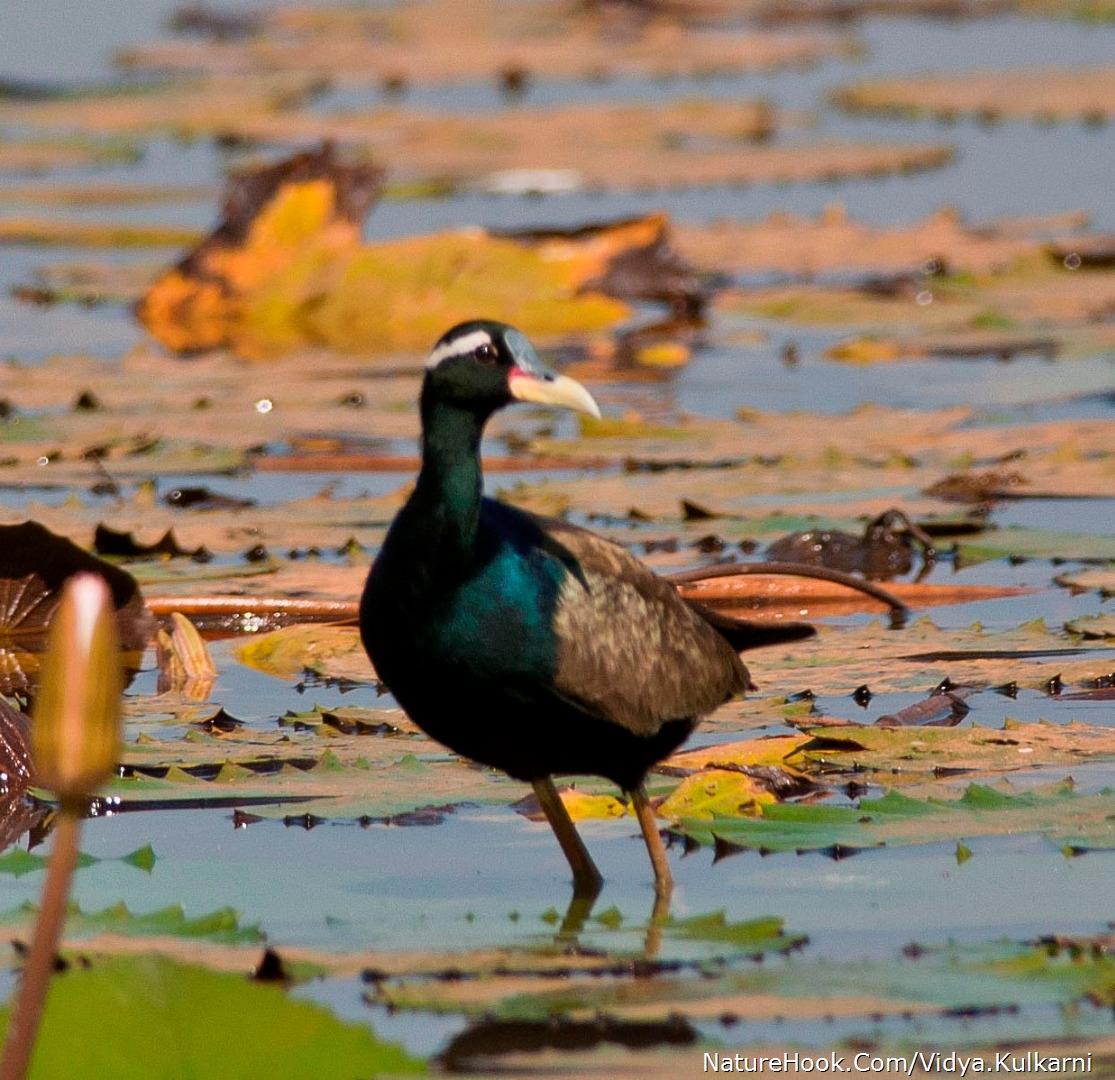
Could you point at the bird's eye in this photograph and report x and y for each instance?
(487, 354)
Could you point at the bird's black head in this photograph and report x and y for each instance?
(482, 365)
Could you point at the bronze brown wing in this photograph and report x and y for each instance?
(630, 650)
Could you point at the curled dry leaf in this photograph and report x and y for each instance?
(286, 267)
(34, 565)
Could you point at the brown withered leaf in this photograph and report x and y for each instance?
(1055, 94)
(113, 542)
(975, 487)
(15, 763)
(286, 268)
(833, 242)
(438, 41)
(43, 154)
(34, 565)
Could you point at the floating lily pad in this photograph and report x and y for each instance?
(714, 792)
(287, 267)
(222, 925)
(44, 154)
(940, 982)
(332, 651)
(50, 231)
(17, 861)
(1036, 544)
(896, 755)
(434, 41)
(1092, 626)
(835, 243)
(1101, 579)
(148, 1017)
(1046, 94)
(1074, 822)
(356, 778)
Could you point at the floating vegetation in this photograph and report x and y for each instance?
(286, 267)
(1076, 94)
(435, 41)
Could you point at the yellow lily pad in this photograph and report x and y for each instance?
(301, 276)
(715, 793)
(290, 651)
(582, 806)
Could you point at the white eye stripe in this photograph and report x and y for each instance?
(461, 346)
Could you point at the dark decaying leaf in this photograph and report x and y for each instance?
(494, 1038)
(34, 565)
(973, 487)
(942, 708)
(206, 20)
(109, 541)
(356, 188)
(15, 753)
(17, 813)
(885, 550)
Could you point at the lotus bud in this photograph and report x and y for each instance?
(75, 731)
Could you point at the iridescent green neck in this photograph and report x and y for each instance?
(450, 483)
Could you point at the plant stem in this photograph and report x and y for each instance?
(28, 1008)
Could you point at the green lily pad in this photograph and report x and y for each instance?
(336, 785)
(752, 936)
(18, 862)
(1074, 822)
(1035, 544)
(222, 925)
(148, 1018)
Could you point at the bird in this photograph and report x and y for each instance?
(527, 643)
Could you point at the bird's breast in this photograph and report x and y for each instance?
(490, 628)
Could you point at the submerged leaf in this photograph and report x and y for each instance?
(752, 935)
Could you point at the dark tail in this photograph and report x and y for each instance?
(744, 634)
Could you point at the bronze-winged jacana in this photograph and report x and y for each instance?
(571, 655)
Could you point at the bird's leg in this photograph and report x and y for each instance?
(586, 878)
(652, 945)
(663, 881)
(648, 823)
(576, 914)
